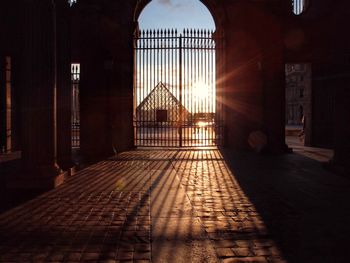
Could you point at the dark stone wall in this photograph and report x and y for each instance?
(11, 31)
(318, 37)
(327, 25)
(254, 74)
(35, 34)
(106, 90)
(259, 38)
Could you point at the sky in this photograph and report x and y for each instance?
(177, 14)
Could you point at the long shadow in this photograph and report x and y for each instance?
(305, 208)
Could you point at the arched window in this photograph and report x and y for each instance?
(299, 6)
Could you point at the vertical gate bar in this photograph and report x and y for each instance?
(169, 84)
(171, 53)
(152, 77)
(211, 90)
(192, 88)
(156, 101)
(201, 81)
(151, 122)
(194, 83)
(185, 88)
(140, 80)
(141, 88)
(201, 66)
(176, 87)
(160, 80)
(146, 87)
(151, 84)
(200, 76)
(206, 98)
(196, 79)
(180, 86)
(215, 86)
(142, 77)
(157, 81)
(183, 80)
(165, 43)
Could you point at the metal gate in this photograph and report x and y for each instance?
(176, 102)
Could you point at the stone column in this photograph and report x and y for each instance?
(274, 99)
(2, 105)
(341, 160)
(94, 82)
(39, 94)
(64, 90)
(121, 94)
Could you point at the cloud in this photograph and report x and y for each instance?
(165, 2)
(176, 4)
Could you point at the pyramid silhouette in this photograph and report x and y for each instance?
(160, 99)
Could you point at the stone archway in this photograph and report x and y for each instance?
(213, 133)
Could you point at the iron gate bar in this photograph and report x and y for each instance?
(174, 66)
(180, 85)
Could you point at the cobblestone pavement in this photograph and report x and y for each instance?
(143, 206)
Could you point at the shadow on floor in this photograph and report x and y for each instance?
(304, 207)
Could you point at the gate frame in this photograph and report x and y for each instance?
(219, 15)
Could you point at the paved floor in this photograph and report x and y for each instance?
(185, 206)
(318, 154)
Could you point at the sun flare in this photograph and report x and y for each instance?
(201, 90)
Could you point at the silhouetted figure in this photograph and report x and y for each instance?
(302, 132)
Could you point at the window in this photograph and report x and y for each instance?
(299, 6)
(72, 2)
(75, 81)
(6, 141)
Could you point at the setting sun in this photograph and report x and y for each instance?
(200, 90)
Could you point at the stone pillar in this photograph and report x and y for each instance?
(121, 95)
(2, 105)
(94, 83)
(106, 86)
(39, 94)
(64, 90)
(341, 160)
(274, 98)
